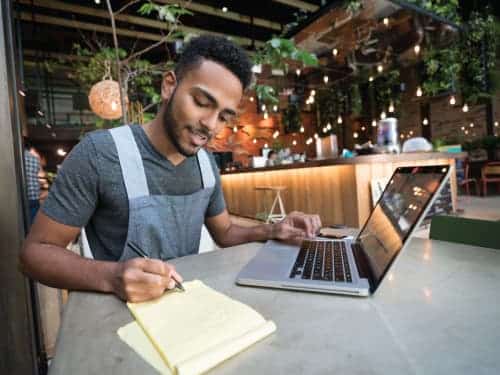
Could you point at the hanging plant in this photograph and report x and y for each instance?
(447, 9)
(441, 70)
(332, 103)
(353, 6)
(480, 42)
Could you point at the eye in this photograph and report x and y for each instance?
(201, 102)
(224, 119)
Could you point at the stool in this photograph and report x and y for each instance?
(272, 217)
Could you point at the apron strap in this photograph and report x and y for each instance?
(130, 162)
(207, 173)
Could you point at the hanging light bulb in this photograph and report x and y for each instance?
(383, 115)
(266, 145)
(316, 136)
(355, 135)
(419, 91)
(425, 121)
(275, 108)
(402, 136)
(255, 140)
(297, 72)
(466, 132)
(465, 108)
(251, 99)
(294, 142)
(224, 9)
(471, 124)
(411, 132)
(370, 78)
(339, 119)
(328, 126)
(363, 128)
(235, 129)
(463, 128)
(380, 68)
(324, 129)
(453, 101)
(302, 129)
(374, 123)
(391, 107)
(313, 92)
(496, 124)
(266, 116)
(263, 107)
(276, 134)
(97, 2)
(335, 52)
(386, 21)
(311, 99)
(416, 49)
(325, 79)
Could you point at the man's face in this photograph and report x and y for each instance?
(200, 105)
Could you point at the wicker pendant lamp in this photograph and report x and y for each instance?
(104, 97)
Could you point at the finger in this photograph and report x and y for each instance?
(290, 232)
(317, 224)
(155, 266)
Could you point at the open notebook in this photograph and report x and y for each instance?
(192, 332)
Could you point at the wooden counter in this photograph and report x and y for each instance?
(336, 189)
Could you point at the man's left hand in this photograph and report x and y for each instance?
(296, 226)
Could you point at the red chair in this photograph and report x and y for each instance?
(468, 179)
(490, 173)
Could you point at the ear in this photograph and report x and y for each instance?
(168, 85)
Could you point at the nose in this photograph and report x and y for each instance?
(209, 121)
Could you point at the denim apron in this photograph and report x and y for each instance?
(164, 226)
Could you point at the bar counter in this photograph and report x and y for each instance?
(336, 189)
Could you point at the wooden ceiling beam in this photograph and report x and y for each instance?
(299, 4)
(230, 15)
(141, 21)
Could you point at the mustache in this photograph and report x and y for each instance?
(201, 131)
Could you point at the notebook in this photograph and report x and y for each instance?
(192, 332)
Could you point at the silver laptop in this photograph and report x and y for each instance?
(354, 266)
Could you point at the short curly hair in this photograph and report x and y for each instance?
(217, 49)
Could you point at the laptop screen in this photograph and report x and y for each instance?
(398, 210)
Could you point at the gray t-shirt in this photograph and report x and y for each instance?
(89, 189)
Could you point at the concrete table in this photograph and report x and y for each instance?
(438, 312)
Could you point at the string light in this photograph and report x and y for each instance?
(391, 107)
(97, 2)
(61, 152)
(453, 100)
(419, 91)
(411, 132)
(339, 120)
(335, 52)
(325, 79)
(402, 136)
(380, 68)
(251, 99)
(255, 140)
(224, 9)
(374, 123)
(386, 21)
(275, 108)
(294, 143)
(471, 124)
(263, 107)
(302, 129)
(465, 108)
(355, 135)
(324, 129)
(276, 134)
(466, 132)
(235, 129)
(313, 92)
(266, 145)
(425, 122)
(21, 92)
(48, 126)
(383, 115)
(416, 49)
(328, 126)
(40, 113)
(496, 124)
(370, 79)
(297, 72)
(463, 128)
(266, 115)
(309, 141)
(363, 128)
(316, 136)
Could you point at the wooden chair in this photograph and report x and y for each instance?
(467, 180)
(490, 172)
(272, 217)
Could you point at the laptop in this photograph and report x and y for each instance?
(353, 266)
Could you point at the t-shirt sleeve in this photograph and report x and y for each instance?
(217, 203)
(73, 196)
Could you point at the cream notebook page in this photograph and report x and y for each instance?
(195, 330)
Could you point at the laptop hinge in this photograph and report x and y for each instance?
(362, 264)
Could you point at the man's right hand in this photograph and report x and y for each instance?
(141, 279)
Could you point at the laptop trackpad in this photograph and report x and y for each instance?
(273, 262)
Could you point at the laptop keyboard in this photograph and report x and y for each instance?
(322, 260)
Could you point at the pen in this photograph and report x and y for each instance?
(141, 253)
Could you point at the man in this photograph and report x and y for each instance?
(152, 186)
(32, 167)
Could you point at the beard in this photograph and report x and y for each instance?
(174, 130)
